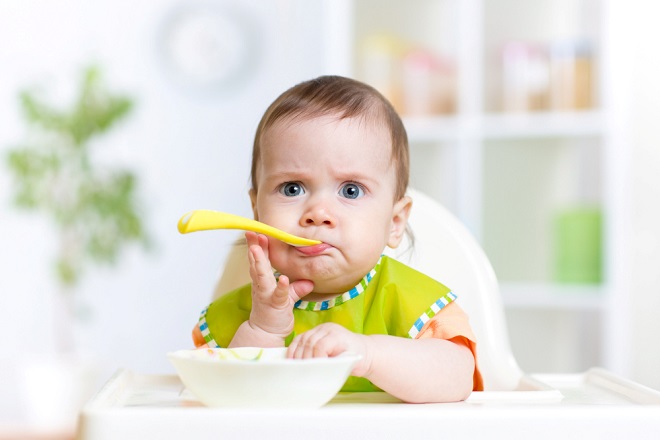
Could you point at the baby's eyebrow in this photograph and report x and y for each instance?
(303, 175)
(357, 176)
(287, 175)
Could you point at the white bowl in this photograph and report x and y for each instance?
(260, 377)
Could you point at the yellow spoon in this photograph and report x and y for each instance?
(204, 220)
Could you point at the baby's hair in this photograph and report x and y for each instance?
(346, 98)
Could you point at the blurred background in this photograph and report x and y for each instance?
(533, 121)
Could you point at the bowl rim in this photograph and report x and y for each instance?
(344, 357)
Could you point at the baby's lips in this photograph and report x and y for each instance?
(315, 249)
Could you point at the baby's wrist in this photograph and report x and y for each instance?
(248, 335)
(273, 337)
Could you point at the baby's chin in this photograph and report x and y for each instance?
(329, 284)
(328, 274)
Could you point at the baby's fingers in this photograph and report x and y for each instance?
(317, 342)
(325, 340)
(254, 239)
(281, 293)
(300, 289)
(261, 272)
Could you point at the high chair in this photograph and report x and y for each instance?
(594, 404)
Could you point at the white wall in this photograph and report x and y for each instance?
(190, 147)
(644, 34)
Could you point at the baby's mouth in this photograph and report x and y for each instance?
(315, 249)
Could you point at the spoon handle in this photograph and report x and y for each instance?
(204, 220)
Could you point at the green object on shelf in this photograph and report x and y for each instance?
(578, 245)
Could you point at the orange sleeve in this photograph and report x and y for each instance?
(453, 324)
(197, 337)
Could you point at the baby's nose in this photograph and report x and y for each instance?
(318, 214)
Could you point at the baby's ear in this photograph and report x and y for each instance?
(253, 200)
(400, 214)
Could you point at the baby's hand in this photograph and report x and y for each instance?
(330, 339)
(272, 300)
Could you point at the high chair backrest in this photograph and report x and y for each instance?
(445, 250)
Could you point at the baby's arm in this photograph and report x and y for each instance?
(271, 317)
(421, 370)
(413, 370)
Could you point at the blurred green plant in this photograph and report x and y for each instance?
(94, 209)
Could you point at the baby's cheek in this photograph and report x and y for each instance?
(277, 254)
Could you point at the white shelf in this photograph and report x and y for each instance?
(554, 296)
(543, 125)
(495, 126)
(431, 128)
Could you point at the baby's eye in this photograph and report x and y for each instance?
(292, 189)
(352, 191)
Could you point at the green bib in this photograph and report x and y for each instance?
(392, 299)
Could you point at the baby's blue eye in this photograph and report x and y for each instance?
(292, 189)
(352, 191)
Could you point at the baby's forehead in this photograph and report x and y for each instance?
(364, 124)
(327, 135)
(324, 137)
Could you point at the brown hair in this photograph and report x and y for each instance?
(347, 98)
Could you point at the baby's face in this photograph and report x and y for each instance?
(331, 180)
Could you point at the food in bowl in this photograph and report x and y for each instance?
(260, 377)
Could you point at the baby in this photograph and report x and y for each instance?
(330, 162)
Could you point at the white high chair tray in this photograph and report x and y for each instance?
(595, 404)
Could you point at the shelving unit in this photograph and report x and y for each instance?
(507, 174)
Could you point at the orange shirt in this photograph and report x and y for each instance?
(453, 325)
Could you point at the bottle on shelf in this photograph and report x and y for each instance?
(415, 79)
(557, 76)
(571, 67)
